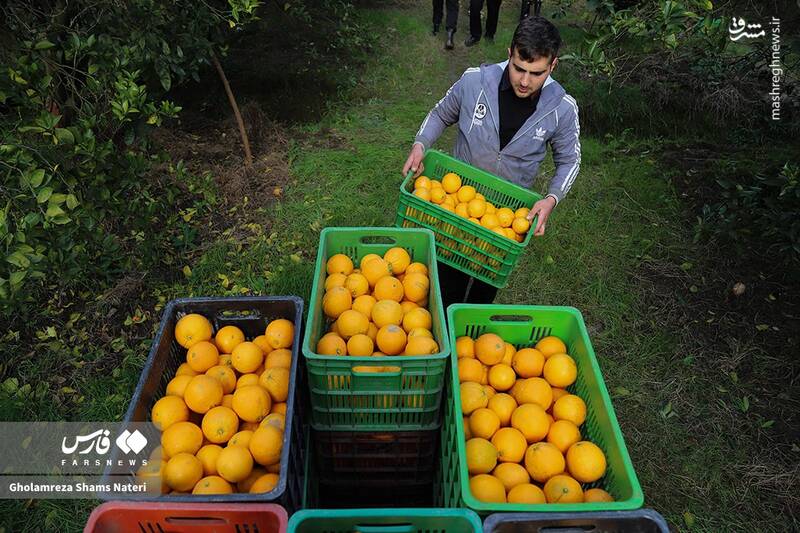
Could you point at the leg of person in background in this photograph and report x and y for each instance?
(525, 9)
(438, 13)
(475, 7)
(480, 292)
(492, 13)
(453, 284)
(452, 21)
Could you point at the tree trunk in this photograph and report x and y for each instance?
(248, 155)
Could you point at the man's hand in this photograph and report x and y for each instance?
(414, 161)
(542, 208)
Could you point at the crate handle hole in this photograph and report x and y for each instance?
(373, 240)
(511, 318)
(238, 314)
(364, 370)
(570, 529)
(384, 528)
(199, 521)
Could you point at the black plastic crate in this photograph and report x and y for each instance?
(251, 314)
(639, 521)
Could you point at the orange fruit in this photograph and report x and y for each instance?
(586, 462)
(563, 489)
(227, 400)
(490, 392)
(276, 382)
(532, 422)
(451, 182)
(191, 329)
(522, 212)
(505, 216)
(183, 471)
(543, 461)
(563, 434)
(336, 301)
(281, 357)
(220, 424)
(558, 393)
(551, 345)
(366, 259)
(247, 357)
(481, 456)
(225, 359)
(279, 407)
(185, 370)
(335, 280)
(181, 437)
(420, 332)
(275, 419)
(438, 196)
(331, 344)
(421, 346)
(357, 284)
(248, 426)
(387, 312)
(503, 405)
(520, 226)
(352, 323)
(252, 403)
(417, 318)
(476, 208)
(398, 259)
(177, 385)
(462, 210)
(202, 356)
(417, 268)
(212, 485)
(225, 375)
(245, 484)
(168, 411)
(242, 438)
(227, 338)
(533, 390)
(266, 445)
(208, 457)
(422, 182)
(407, 305)
(423, 193)
(364, 304)
(528, 363)
(265, 483)
(372, 332)
(261, 342)
(560, 370)
(596, 496)
(339, 263)
(570, 407)
(466, 193)
(375, 270)
(389, 288)
(511, 475)
(203, 393)
(469, 370)
(526, 493)
(490, 349)
(391, 339)
(487, 488)
(510, 444)
(465, 347)
(473, 396)
(508, 357)
(360, 345)
(234, 463)
(490, 221)
(415, 287)
(501, 377)
(483, 423)
(280, 333)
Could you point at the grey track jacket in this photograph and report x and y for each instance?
(472, 103)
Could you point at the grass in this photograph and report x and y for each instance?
(616, 248)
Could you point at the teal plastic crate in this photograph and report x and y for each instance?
(346, 392)
(385, 521)
(460, 243)
(523, 326)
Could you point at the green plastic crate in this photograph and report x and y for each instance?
(523, 326)
(385, 521)
(462, 244)
(344, 395)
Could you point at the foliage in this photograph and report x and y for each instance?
(81, 86)
(766, 211)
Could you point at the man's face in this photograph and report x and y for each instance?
(527, 77)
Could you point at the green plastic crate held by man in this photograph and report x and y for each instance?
(507, 113)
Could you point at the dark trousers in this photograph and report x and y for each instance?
(452, 13)
(492, 12)
(458, 288)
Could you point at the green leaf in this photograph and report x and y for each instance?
(18, 259)
(44, 195)
(58, 198)
(53, 211)
(43, 45)
(65, 136)
(36, 177)
(72, 202)
(688, 519)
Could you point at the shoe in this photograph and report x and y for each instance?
(435, 30)
(472, 41)
(449, 45)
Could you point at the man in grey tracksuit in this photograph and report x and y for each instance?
(506, 115)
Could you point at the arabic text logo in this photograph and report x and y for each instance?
(131, 442)
(739, 28)
(98, 441)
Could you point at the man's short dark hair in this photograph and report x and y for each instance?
(536, 37)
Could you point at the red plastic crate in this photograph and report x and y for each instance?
(139, 517)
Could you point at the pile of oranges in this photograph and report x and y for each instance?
(466, 202)
(223, 416)
(522, 427)
(377, 309)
